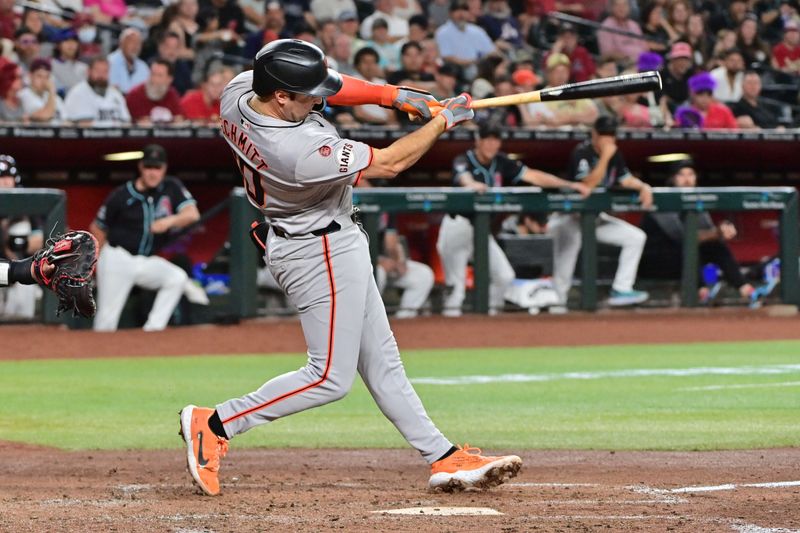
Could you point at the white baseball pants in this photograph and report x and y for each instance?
(416, 283)
(118, 271)
(456, 247)
(566, 232)
(19, 300)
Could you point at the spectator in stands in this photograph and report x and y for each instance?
(663, 252)
(698, 38)
(622, 48)
(202, 105)
(68, 71)
(751, 111)
(405, 9)
(398, 27)
(348, 25)
(93, 102)
(655, 25)
(431, 60)
(184, 23)
(754, 51)
(253, 14)
(396, 269)
(729, 77)
(106, 11)
(33, 20)
(439, 12)
(631, 113)
(411, 73)
(597, 162)
(388, 51)
(156, 100)
(606, 68)
(647, 62)
(581, 112)
(26, 48)
(678, 13)
(729, 19)
(126, 70)
(39, 100)
(8, 19)
(11, 109)
(675, 78)
(341, 53)
(533, 114)
(501, 26)
(367, 68)
(230, 22)
(786, 54)
(331, 9)
(169, 50)
(582, 65)
(489, 68)
(273, 27)
(461, 42)
(418, 28)
(445, 82)
(713, 114)
(482, 167)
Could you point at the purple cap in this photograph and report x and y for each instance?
(702, 81)
(688, 117)
(650, 61)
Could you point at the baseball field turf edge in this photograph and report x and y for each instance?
(736, 396)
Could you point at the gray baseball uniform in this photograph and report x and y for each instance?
(301, 175)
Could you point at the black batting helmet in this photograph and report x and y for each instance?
(8, 167)
(295, 66)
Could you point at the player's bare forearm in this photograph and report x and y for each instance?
(545, 180)
(188, 215)
(593, 179)
(98, 233)
(404, 152)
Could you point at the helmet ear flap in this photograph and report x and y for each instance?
(320, 107)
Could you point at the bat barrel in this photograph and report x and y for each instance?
(617, 85)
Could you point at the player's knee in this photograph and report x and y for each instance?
(176, 278)
(638, 238)
(426, 277)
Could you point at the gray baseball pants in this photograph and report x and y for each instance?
(329, 280)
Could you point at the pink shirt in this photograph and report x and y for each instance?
(113, 8)
(615, 45)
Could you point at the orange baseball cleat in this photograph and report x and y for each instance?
(466, 468)
(204, 448)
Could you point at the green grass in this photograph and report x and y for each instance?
(133, 402)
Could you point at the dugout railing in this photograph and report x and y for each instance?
(49, 205)
(480, 207)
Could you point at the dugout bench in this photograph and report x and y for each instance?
(374, 202)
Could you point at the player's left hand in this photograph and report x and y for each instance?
(582, 189)
(646, 196)
(415, 102)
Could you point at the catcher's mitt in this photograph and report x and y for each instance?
(73, 257)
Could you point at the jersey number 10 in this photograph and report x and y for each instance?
(252, 182)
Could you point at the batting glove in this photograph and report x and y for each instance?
(415, 102)
(457, 110)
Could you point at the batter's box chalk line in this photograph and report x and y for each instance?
(717, 488)
(441, 511)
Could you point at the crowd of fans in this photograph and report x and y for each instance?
(114, 62)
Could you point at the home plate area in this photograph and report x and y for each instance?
(754, 491)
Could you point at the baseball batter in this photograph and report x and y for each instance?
(300, 174)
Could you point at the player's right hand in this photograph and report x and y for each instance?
(457, 110)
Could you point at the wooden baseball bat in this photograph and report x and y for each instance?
(625, 84)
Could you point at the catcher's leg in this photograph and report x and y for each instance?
(115, 278)
(156, 273)
(21, 300)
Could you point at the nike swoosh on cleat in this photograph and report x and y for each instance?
(201, 461)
